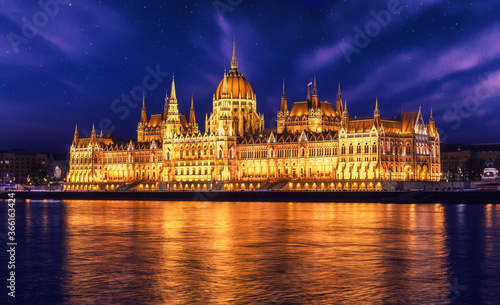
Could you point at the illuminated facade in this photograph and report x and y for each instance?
(315, 146)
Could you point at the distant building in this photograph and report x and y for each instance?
(21, 166)
(461, 161)
(316, 145)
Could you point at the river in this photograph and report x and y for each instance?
(147, 252)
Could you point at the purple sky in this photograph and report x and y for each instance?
(71, 62)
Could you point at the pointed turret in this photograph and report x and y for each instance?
(234, 63)
(144, 117)
(173, 96)
(376, 114)
(315, 102)
(432, 126)
(92, 134)
(192, 117)
(224, 85)
(173, 117)
(284, 105)
(76, 136)
(308, 93)
(345, 116)
(339, 107)
(165, 108)
(173, 110)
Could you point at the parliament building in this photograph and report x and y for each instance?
(316, 146)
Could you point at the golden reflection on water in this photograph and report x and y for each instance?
(240, 253)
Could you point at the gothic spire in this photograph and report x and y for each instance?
(376, 114)
(92, 134)
(345, 116)
(308, 93)
(75, 137)
(173, 96)
(143, 110)
(192, 117)
(315, 102)
(284, 106)
(234, 63)
(165, 108)
(432, 126)
(339, 107)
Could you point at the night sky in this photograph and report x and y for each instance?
(75, 62)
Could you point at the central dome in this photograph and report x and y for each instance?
(236, 84)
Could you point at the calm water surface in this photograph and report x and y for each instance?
(133, 252)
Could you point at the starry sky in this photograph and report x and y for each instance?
(83, 62)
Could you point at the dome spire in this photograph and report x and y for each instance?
(234, 63)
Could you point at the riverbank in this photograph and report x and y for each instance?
(480, 197)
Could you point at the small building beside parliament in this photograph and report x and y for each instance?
(316, 146)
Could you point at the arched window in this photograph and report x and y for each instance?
(351, 149)
(358, 149)
(342, 151)
(374, 148)
(367, 148)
